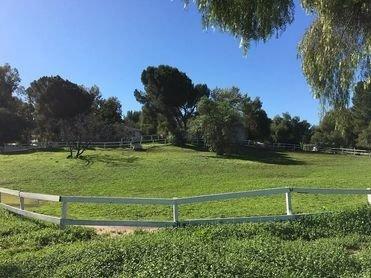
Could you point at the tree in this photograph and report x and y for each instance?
(361, 109)
(12, 126)
(15, 122)
(220, 120)
(330, 134)
(55, 100)
(364, 138)
(170, 93)
(256, 120)
(110, 110)
(287, 129)
(335, 50)
(9, 84)
(78, 133)
(133, 118)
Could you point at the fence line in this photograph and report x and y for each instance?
(124, 143)
(175, 203)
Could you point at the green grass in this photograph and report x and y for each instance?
(325, 245)
(334, 245)
(166, 171)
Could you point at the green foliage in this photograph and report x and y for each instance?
(364, 138)
(289, 129)
(133, 119)
(170, 93)
(250, 20)
(333, 245)
(12, 126)
(220, 120)
(227, 118)
(15, 122)
(56, 98)
(256, 121)
(335, 50)
(109, 111)
(58, 104)
(331, 134)
(9, 84)
(361, 109)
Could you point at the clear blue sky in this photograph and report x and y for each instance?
(109, 43)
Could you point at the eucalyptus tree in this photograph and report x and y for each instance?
(335, 50)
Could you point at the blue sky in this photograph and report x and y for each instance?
(109, 43)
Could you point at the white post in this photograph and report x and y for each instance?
(64, 213)
(369, 197)
(21, 203)
(175, 212)
(288, 203)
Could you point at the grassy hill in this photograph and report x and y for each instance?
(166, 171)
(325, 245)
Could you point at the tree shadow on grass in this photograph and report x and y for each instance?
(199, 148)
(264, 156)
(107, 159)
(48, 150)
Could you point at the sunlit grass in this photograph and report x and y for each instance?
(166, 171)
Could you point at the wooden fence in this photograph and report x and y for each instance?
(175, 203)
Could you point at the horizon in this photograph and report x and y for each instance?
(109, 45)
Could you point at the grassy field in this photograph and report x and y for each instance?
(166, 171)
(336, 245)
(325, 245)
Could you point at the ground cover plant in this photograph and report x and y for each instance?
(332, 245)
(167, 171)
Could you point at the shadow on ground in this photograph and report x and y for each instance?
(108, 159)
(264, 156)
(199, 148)
(51, 150)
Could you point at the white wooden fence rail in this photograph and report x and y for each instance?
(175, 203)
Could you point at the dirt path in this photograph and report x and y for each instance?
(121, 229)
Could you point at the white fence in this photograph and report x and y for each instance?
(175, 203)
(127, 143)
(124, 143)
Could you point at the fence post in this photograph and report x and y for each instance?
(64, 213)
(369, 197)
(175, 212)
(288, 202)
(21, 203)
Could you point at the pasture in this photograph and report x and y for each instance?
(167, 171)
